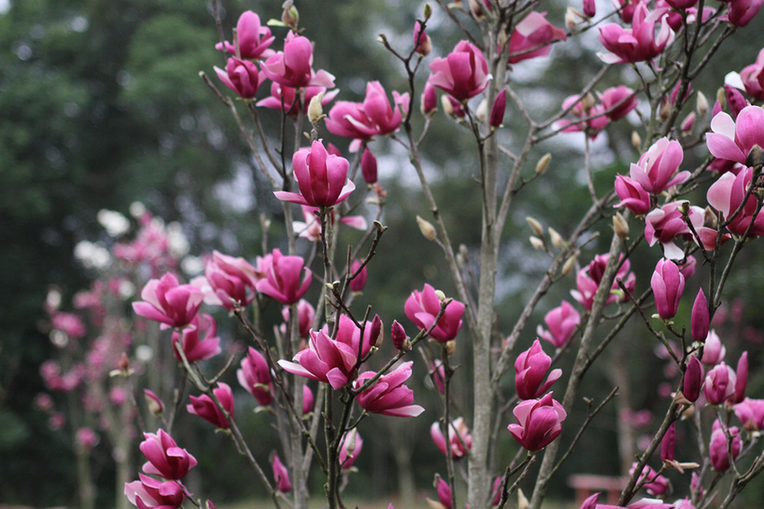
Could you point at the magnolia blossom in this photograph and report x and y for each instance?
(720, 384)
(562, 323)
(232, 280)
(752, 77)
(286, 98)
(638, 43)
(592, 118)
(321, 177)
(207, 409)
(388, 395)
(280, 475)
(423, 307)
(253, 38)
(255, 377)
(539, 422)
(656, 168)
(666, 223)
(241, 76)
(632, 195)
(459, 438)
(305, 316)
(282, 281)
(462, 74)
(667, 283)
(657, 484)
(350, 447)
(325, 360)
(741, 12)
(189, 339)
(422, 42)
(693, 379)
(533, 31)
(750, 413)
(713, 350)
(589, 279)
(530, 369)
(726, 195)
(733, 140)
(618, 101)
(358, 283)
(165, 458)
(373, 117)
(293, 66)
(168, 302)
(719, 449)
(149, 492)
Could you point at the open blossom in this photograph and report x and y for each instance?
(713, 350)
(530, 369)
(732, 140)
(168, 302)
(194, 347)
(321, 177)
(727, 194)
(285, 98)
(254, 39)
(293, 66)
(657, 484)
(205, 407)
(539, 422)
(562, 322)
(388, 395)
(632, 195)
(350, 447)
(667, 283)
(638, 43)
(255, 377)
(349, 334)
(664, 224)
(165, 458)
(373, 117)
(325, 360)
(752, 77)
(282, 281)
(231, 279)
(459, 438)
(618, 101)
(656, 168)
(718, 448)
(533, 31)
(592, 119)
(750, 413)
(462, 74)
(588, 280)
(423, 307)
(149, 492)
(241, 76)
(720, 384)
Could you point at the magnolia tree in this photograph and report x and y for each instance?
(314, 373)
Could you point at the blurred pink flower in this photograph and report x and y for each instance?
(638, 43)
(533, 31)
(459, 438)
(350, 447)
(562, 323)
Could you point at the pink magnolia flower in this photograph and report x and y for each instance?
(282, 281)
(286, 98)
(325, 360)
(657, 485)
(618, 101)
(322, 178)
(530, 369)
(149, 492)
(533, 37)
(752, 77)
(720, 384)
(429, 100)
(293, 66)
(241, 76)
(68, 323)
(349, 334)
(305, 316)
(638, 43)
(498, 109)
(255, 377)
(444, 493)
(388, 396)
(422, 42)
(280, 475)
(232, 280)
(253, 38)
(373, 117)
(668, 285)
(733, 139)
(632, 195)
(591, 119)
(727, 194)
(358, 282)
(588, 280)
(86, 438)
(423, 307)
(539, 422)
(459, 438)
(168, 302)
(398, 335)
(750, 413)
(205, 407)
(700, 317)
(668, 443)
(194, 348)
(369, 167)
(562, 322)
(153, 402)
(693, 379)
(666, 223)
(742, 378)
(718, 449)
(741, 12)
(307, 400)
(713, 350)
(590, 8)
(165, 458)
(656, 168)
(350, 447)
(462, 74)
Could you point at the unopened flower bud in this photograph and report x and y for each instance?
(522, 502)
(440, 295)
(700, 318)
(665, 112)
(153, 402)
(377, 333)
(620, 226)
(568, 265)
(636, 140)
(543, 163)
(429, 101)
(590, 8)
(721, 97)
(482, 110)
(693, 379)
(498, 109)
(447, 105)
(398, 335)
(537, 243)
(709, 218)
(755, 157)
(570, 18)
(315, 111)
(688, 122)
(535, 226)
(450, 347)
(427, 11)
(701, 104)
(427, 229)
(290, 16)
(668, 443)
(556, 238)
(422, 42)
(368, 166)
(588, 103)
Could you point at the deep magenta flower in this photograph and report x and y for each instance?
(720, 384)
(590, 119)
(373, 117)
(732, 140)
(533, 31)
(562, 322)
(423, 307)
(293, 67)
(194, 347)
(388, 396)
(149, 492)
(693, 379)
(718, 449)
(241, 76)
(700, 317)
(632, 195)
(741, 12)
(369, 167)
(350, 447)
(321, 177)
(285, 98)
(282, 281)
(656, 168)
(668, 443)
(588, 280)
(232, 280)
(429, 100)
(498, 109)
(668, 285)
(539, 422)
(349, 334)
(280, 475)
(727, 194)
(638, 43)
(255, 377)
(325, 360)
(742, 378)
(165, 458)
(254, 39)
(168, 302)
(459, 438)
(358, 283)
(530, 369)
(205, 407)
(462, 74)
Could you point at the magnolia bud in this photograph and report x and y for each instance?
(721, 97)
(427, 229)
(429, 102)
(522, 502)
(537, 243)
(315, 111)
(377, 334)
(543, 163)
(693, 379)
(450, 347)
(535, 226)
(368, 166)
(556, 238)
(498, 109)
(665, 111)
(400, 340)
(636, 141)
(688, 122)
(153, 402)
(701, 104)
(588, 103)
(700, 318)
(668, 443)
(440, 295)
(590, 8)
(448, 107)
(570, 18)
(620, 226)
(427, 11)
(290, 16)
(568, 265)
(482, 110)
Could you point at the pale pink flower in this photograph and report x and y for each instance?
(423, 307)
(732, 140)
(168, 302)
(459, 438)
(388, 395)
(750, 413)
(713, 350)
(533, 31)
(68, 323)
(727, 194)
(462, 74)
(752, 77)
(254, 39)
(719, 449)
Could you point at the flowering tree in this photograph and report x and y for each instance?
(319, 373)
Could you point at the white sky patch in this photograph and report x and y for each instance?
(5, 6)
(237, 193)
